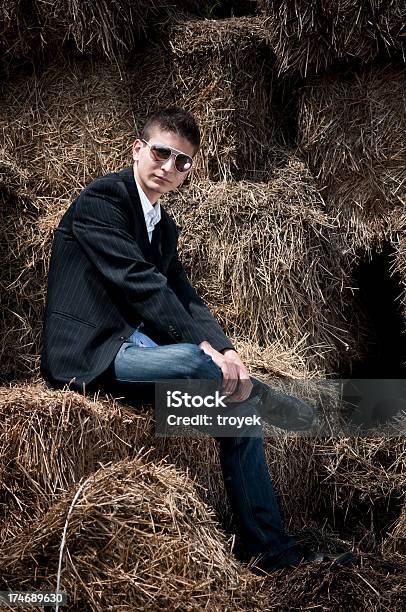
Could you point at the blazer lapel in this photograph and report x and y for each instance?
(127, 175)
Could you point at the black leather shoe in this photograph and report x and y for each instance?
(285, 411)
(345, 558)
(268, 563)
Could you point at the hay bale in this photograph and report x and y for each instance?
(309, 37)
(351, 131)
(66, 125)
(138, 531)
(50, 440)
(364, 481)
(263, 257)
(373, 467)
(220, 71)
(110, 29)
(17, 211)
(375, 586)
(102, 29)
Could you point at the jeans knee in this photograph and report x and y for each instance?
(199, 364)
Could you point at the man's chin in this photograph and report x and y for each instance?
(160, 186)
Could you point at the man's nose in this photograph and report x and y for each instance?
(169, 164)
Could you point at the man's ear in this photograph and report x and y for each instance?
(137, 144)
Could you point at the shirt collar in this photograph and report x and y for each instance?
(152, 213)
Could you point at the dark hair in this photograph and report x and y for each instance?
(176, 120)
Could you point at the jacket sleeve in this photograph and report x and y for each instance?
(101, 225)
(194, 304)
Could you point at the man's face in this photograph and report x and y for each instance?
(158, 177)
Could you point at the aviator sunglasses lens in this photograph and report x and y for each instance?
(161, 153)
(183, 162)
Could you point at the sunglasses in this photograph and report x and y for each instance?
(183, 162)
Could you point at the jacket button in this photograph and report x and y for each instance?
(121, 338)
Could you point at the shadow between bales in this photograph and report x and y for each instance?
(378, 299)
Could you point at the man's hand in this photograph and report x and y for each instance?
(236, 379)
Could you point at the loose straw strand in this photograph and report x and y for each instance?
(58, 580)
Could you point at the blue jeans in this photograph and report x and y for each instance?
(244, 467)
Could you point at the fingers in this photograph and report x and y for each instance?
(243, 387)
(242, 392)
(230, 377)
(236, 382)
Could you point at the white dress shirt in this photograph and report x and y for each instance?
(152, 214)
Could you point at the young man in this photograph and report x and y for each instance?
(115, 271)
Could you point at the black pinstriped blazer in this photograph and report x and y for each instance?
(106, 277)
